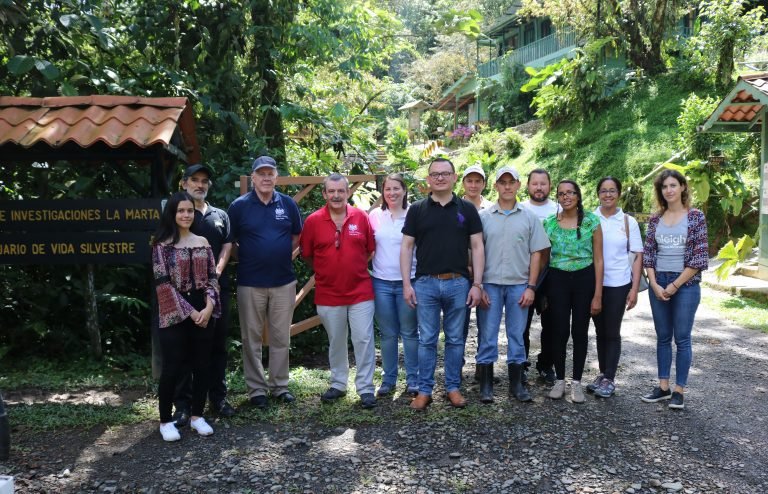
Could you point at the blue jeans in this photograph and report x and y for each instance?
(674, 318)
(503, 298)
(449, 297)
(396, 319)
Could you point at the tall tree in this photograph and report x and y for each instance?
(638, 25)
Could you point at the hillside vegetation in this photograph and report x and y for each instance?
(629, 137)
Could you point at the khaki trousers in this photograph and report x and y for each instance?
(257, 307)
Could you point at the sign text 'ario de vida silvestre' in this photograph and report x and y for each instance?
(77, 231)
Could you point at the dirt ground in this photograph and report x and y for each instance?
(719, 443)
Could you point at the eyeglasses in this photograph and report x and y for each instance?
(437, 175)
(338, 238)
(567, 193)
(612, 192)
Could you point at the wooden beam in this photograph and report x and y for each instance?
(319, 180)
(303, 192)
(305, 291)
(304, 325)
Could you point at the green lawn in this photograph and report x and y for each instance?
(743, 311)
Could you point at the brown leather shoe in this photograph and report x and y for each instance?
(421, 402)
(455, 399)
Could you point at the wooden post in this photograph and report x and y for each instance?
(92, 313)
(762, 261)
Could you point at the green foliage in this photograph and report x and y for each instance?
(694, 111)
(489, 149)
(514, 142)
(128, 370)
(714, 186)
(52, 416)
(507, 104)
(397, 138)
(727, 33)
(570, 89)
(627, 139)
(732, 254)
(467, 23)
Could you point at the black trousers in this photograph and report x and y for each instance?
(217, 391)
(548, 342)
(183, 345)
(570, 298)
(608, 328)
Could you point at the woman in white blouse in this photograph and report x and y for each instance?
(393, 315)
(621, 235)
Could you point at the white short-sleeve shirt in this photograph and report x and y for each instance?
(617, 271)
(388, 233)
(542, 211)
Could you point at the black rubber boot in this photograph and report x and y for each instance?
(516, 387)
(485, 375)
(524, 373)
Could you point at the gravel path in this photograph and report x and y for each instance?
(718, 443)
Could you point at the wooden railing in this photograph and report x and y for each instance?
(309, 183)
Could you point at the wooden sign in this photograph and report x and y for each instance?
(89, 231)
(68, 215)
(75, 248)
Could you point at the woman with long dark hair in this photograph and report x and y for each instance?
(621, 235)
(675, 253)
(575, 282)
(187, 298)
(395, 318)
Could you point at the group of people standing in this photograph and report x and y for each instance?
(431, 263)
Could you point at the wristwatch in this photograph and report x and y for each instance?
(479, 285)
(532, 287)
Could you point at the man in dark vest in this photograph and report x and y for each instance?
(213, 224)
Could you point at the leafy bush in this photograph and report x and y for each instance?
(727, 34)
(397, 137)
(695, 110)
(507, 105)
(514, 143)
(570, 88)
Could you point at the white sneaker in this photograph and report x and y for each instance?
(201, 426)
(577, 394)
(558, 390)
(169, 432)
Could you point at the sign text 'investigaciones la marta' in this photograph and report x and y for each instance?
(115, 231)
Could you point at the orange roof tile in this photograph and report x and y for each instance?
(87, 120)
(739, 111)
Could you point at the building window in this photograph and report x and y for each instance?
(510, 43)
(529, 34)
(546, 28)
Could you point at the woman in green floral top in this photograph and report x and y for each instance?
(575, 282)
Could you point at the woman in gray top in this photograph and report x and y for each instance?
(674, 255)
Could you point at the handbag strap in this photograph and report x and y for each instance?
(626, 230)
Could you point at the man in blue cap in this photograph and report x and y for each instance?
(266, 224)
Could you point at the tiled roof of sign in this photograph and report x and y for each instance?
(87, 120)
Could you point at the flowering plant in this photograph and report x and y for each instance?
(462, 132)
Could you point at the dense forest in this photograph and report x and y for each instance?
(318, 84)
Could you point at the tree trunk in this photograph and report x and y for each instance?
(725, 64)
(92, 313)
(645, 56)
(270, 18)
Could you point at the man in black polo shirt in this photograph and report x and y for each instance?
(443, 228)
(213, 224)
